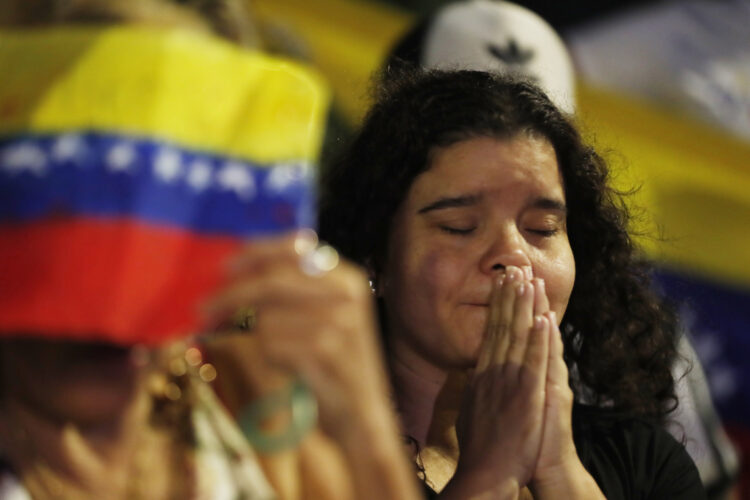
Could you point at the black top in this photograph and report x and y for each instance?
(631, 459)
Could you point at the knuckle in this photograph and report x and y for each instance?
(567, 395)
(326, 345)
(272, 350)
(519, 332)
(502, 326)
(352, 284)
(561, 392)
(355, 271)
(528, 380)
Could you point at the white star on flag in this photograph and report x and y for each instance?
(168, 165)
(199, 175)
(283, 176)
(121, 157)
(67, 147)
(20, 157)
(237, 177)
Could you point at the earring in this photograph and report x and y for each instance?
(373, 286)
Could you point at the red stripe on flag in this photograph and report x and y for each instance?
(113, 280)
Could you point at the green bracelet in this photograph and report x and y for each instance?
(297, 398)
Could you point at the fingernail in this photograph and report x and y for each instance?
(538, 322)
(499, 281)
(553, 317)
(521, 289)
(512, 273)
(528, 272)
(305, 241)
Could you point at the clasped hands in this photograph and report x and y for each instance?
(514, 427)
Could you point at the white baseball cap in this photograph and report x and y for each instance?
(491, 35)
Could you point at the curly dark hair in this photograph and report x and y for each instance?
(618, 334)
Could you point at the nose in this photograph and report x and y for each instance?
(506, 249)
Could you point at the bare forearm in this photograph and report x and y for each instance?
(379, 466)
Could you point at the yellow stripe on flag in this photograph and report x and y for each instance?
(176, 85)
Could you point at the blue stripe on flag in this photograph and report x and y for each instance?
(108, 175)
(717, 318)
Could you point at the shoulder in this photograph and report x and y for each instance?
(633, 458)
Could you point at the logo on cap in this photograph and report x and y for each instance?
(512, 54)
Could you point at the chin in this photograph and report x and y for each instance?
(464, 356)
(472, 342)
(87, 383)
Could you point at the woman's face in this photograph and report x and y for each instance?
(484, 204)
(82, 382)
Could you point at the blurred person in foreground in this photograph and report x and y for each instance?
(499, 256)
(500, 36)
(135, 163)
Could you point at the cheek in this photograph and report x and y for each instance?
(427, 276)
(559, 276)
(419, 291)
(435, 272)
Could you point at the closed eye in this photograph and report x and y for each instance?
(544, 232)
(457, 230)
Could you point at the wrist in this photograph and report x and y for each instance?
(462, 487)
(367, 428)
(569, 480)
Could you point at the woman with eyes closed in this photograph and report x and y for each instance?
(527, 354)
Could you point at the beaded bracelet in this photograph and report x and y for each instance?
(297, 398)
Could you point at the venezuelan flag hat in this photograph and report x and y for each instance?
(133, 162)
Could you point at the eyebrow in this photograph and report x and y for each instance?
(549, 204)
(451, 202)
(541, 203)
